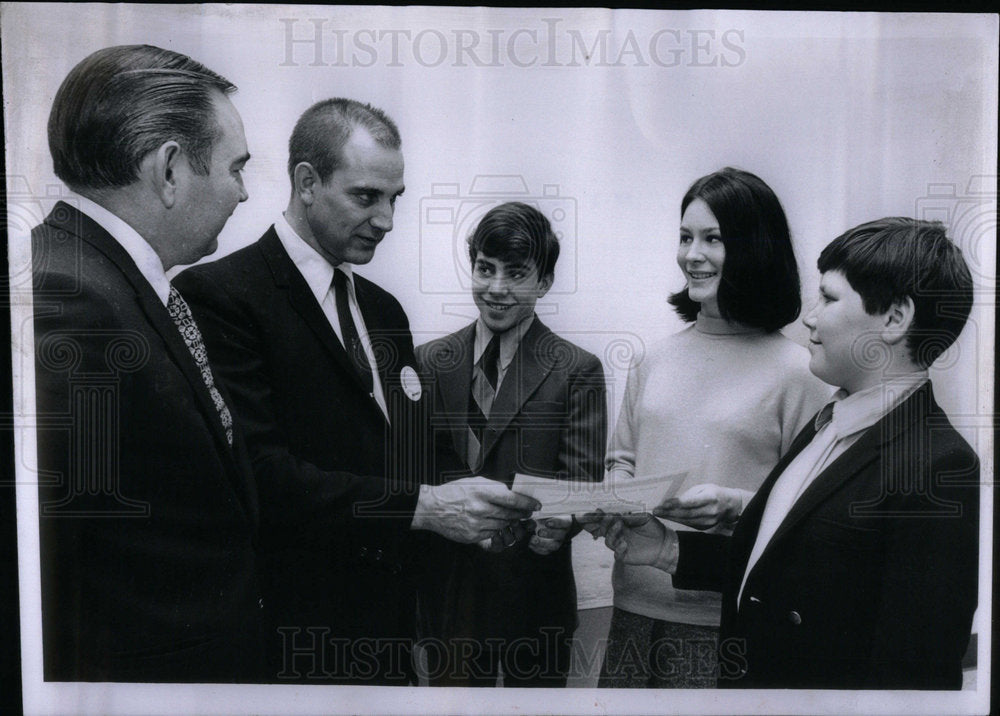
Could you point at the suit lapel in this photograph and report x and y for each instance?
(455, 382)
(525, 373)
(848, 465)
(746, 530)
(844, 468)
(385, 341)
(73, 221)
(304, 302)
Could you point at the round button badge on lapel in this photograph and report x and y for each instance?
(411, 383)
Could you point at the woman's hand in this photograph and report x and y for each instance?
(704, 506)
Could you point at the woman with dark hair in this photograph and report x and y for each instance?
(715, 405)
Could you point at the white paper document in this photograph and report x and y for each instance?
(618, 496)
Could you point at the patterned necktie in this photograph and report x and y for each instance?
(181, 314)
(485, 374)
(352, 341)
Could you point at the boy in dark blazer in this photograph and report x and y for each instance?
(509, 396)
(856, 564)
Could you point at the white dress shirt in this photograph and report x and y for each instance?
(146, 259)
(852, 415)
(318, 274)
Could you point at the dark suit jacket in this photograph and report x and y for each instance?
(871, 580)
(148, 517)
(338, 487)
(549, 418)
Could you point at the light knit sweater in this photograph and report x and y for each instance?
(720, 402)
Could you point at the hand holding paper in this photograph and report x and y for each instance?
(704, 506)
(549, 535)
(472, 509)
(642, 540)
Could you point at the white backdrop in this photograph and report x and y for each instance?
(603, 118)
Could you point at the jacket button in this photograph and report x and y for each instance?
(260, 603)
(378, 555)
(363, 552)
(795, 618)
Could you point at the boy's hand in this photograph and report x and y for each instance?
(642, 540)
(550, 533)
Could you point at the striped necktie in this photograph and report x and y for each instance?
(485, 375)
(181, 314)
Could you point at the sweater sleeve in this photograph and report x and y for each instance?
(620, 460)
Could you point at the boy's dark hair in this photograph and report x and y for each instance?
(121, 103)
(516, 232)
(322, 131)
(760, 280)
(891, 259)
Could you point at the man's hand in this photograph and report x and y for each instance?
(550, 534)
(471, 509)
(508, 536)
(704, 506)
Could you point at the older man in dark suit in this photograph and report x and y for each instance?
(147, 505)
(321, 368)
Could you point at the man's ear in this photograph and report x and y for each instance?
(160, 169)
(304, 182)
(898, 320)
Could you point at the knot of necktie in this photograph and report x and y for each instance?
(824, 416)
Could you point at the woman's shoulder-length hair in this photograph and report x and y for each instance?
(760, 279)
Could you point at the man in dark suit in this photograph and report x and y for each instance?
(320, 365)
(148, 511)
(855, 566)
(510, 396)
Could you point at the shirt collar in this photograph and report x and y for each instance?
(316, 270)
(858, 411)
(509, 340)
(145, 257)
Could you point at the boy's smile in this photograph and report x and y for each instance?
(506, 292)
